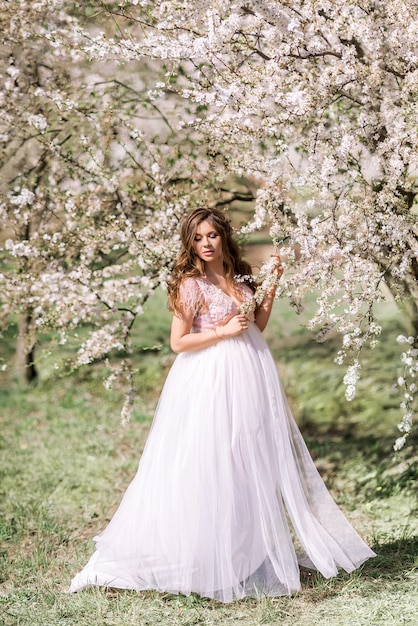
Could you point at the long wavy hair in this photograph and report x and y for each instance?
(189, 264)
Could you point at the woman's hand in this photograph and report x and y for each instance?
(235, 326)
(278, 267)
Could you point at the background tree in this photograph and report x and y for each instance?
(92, 194)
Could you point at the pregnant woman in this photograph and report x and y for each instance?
(226, 502)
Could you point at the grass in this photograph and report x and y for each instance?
(65, 462)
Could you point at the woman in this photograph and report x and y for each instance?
(226, 502)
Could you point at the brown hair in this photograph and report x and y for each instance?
(188, 263)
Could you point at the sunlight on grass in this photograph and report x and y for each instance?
(65, 462)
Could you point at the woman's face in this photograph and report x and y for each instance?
(207, 243)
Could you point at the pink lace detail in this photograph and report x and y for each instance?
(210, 305)
(191, 299)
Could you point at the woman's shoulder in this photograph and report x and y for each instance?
(190, 283)
(245, 287)
(190, 293)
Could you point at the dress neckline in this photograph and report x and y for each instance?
(237, 304)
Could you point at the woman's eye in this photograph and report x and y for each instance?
(213, 235)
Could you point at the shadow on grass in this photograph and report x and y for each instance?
(394, 559)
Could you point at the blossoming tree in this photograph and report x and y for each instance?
(313, 101)
(88, 225)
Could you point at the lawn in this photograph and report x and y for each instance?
(65, 462)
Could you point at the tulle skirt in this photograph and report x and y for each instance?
(226, 502)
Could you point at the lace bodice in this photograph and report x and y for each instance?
(210, 305)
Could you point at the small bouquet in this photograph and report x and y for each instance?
(268, 281)
(269, 276)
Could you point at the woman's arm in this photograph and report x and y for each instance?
(182, 340)
(263, 311)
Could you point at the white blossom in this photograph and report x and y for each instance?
(350, 380)
(38, 121)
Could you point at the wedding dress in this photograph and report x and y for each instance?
(227, 501)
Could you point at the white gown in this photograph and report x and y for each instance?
(227, 501)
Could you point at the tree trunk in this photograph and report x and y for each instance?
(25, 351)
